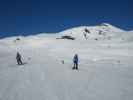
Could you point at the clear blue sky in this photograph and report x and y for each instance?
(24, 17)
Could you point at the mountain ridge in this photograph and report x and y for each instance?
(84, 32)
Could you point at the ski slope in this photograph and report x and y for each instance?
(105, 68)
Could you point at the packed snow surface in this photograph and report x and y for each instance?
(105, 66)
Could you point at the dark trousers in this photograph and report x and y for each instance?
(19, 61)
(75, 65)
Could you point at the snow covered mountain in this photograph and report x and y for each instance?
(102, 31)
(105, 67)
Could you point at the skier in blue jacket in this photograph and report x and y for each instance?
(75, 62)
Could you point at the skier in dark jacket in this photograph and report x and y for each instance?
(75, 62)
(18, 58)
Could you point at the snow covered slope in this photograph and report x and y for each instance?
(103, 31)
(105, 68)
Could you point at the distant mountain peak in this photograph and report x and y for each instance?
(102, 30)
